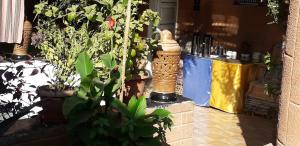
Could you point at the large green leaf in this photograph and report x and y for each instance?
(85, 83)
(70, 103)
(84, 65)
(141, 106)
(132, 104)
(161, 113)
(112, 87)
(108, 61)
(121, 107)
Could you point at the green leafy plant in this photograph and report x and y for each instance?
(272, 86)
(69, 27)
(96, 118)
(278, 10)
(268, 61)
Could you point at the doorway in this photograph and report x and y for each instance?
(167, 10)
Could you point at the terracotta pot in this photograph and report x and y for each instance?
(135, 87)
(52, 104)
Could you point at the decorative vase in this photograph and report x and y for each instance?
(52, 104)
(165, 68)
(20, 50)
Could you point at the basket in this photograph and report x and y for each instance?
(261, 107)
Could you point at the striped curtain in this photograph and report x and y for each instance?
(11, 20)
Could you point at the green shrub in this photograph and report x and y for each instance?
(70, 27)
(93, 123)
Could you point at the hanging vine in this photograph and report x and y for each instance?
(278, 10)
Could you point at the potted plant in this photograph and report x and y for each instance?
(139, 50)
(272, 76)
(67, 28)
(97, 118)
(70, 27)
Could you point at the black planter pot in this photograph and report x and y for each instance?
(52, 104)
(163, 97)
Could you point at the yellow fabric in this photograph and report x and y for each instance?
(229, 84)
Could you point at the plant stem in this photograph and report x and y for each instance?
(125, 49)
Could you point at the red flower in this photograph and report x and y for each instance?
(111, 22)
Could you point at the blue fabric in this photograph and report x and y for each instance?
(197, 79)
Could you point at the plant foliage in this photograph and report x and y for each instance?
(273, 76)
(69, 27)
(278, 10)
(96, 118)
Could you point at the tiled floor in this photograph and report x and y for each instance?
(217, 128)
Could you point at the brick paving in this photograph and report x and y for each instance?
(216, 128)
(213, 127)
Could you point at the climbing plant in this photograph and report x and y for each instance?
(278, 10)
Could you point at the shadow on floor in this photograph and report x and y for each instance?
(257, 131)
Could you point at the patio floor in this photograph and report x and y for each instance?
(217, 128)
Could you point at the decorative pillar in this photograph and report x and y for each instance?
(165, 68)
(289, 113)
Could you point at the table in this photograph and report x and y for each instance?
(197, 79)
(229, 84)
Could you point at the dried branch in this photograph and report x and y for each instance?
(125, 49)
